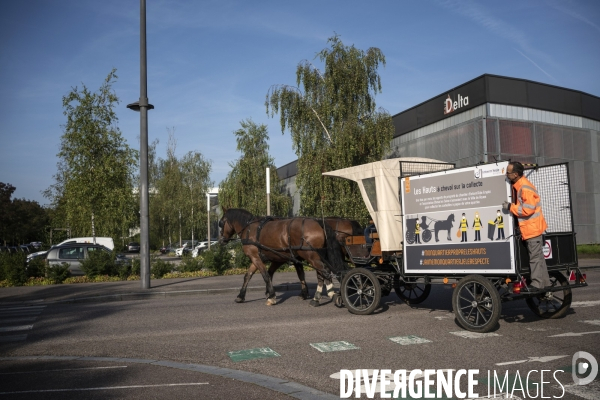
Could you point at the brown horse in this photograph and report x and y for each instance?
(342, 227)
(281, 241)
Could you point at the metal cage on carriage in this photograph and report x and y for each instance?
(411, 268)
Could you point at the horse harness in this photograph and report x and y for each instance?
(280, 252)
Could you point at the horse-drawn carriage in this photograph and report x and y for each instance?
(484, 273)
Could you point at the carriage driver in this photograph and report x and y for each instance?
(527, 208)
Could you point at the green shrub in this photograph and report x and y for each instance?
(217, 259)
(36, 268)
(159, 267)
(59, 273)
(239, 259)
(593, 248)
(12, 268)
(136, 266)
(191, 264)
(100, 263)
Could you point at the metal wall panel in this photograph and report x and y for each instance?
(530, 114)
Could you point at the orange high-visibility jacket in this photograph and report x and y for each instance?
(527, 207)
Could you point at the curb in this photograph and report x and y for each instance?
(286, 387)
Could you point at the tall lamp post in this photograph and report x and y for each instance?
(143, 106)
(213, 192)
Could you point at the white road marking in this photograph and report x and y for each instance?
(589, 303)
(57, 370)
(474, 335)
(106, 388)
(574, 334)
(533, 359)
(16, 328)
(542, 329)
(406, 340)
(441, 318)
(592, 321)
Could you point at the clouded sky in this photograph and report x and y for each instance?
(211, 63)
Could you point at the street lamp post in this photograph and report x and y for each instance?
(143, 106)
(214, 192)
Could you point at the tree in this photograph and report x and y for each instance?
(21, 220)
(196, 183)
(245, 185)
(179, 187)
(95, 180)
(6, 191)
(334, 124)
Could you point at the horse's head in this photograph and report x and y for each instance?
(451, 217)
(233, 221)
(226, 230)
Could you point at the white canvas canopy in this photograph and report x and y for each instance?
(379, 186)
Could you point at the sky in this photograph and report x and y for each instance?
(211, 63)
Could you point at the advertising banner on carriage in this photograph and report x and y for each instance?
(454, 222)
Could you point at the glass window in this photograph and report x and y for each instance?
(369, 185)
(71, 253)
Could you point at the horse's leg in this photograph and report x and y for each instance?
(315, 261)
(242, 296)
(272, 269)
(302, 278)
(271, 299)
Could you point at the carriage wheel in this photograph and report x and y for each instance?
(552, 304)
(410, 237)
(361, 291)
(426, 235)
(411, 291)
(476, 304)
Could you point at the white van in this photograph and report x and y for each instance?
(104, 241)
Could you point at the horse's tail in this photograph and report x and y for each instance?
(335, 258)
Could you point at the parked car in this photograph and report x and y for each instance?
(105, 241)
(170, 248)
(133, 247)
(202, 247)
(36, 245)
(187, 247)
(74, 253)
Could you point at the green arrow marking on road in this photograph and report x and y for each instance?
(406, 340)
(251, 354)
(334, 346)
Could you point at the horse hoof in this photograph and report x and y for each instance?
(271, 302)
(314, 303)
(239, 300)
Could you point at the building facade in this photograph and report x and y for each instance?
(499, 118)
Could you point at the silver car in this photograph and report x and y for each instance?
(74, 253)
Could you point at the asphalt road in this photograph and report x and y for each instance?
(205, 329)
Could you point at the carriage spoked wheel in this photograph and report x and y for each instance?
(411, 291)
(361, 291)
(410, 237)
(552, 304)
(426, 235)
(476, 304)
